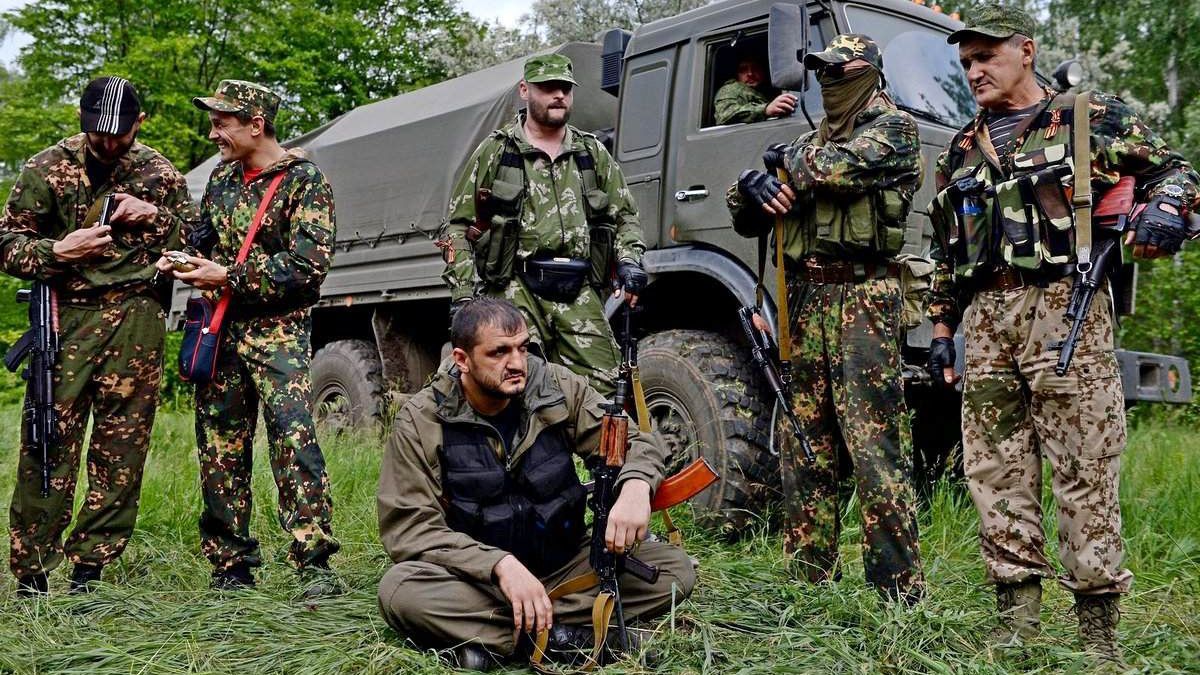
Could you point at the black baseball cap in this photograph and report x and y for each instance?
(109, 105)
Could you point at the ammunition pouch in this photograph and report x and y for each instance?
(916, 276)
(602, 237)
(1034, 212)
(555, 279)
(495, 248)
(871, 223)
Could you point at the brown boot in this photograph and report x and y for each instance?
(1020, 607)
(1098, 618)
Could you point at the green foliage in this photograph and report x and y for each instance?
(157, 615)
(325, 58)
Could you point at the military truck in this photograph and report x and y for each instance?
(382, 319)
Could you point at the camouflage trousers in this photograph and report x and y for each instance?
(1017, 410)
(109, 367)
(848, 395)
(576, 335)
(263, 360)
(436, 609)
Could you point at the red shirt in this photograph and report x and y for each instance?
(250, 174)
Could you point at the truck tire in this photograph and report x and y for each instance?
(704, 400)
(347, 384)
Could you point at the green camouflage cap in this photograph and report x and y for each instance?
(844, 49)
(241, 96)
(994, 21)
(549, 68)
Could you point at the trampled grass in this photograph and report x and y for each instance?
(156, 614)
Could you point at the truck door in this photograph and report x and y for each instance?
(641, 133)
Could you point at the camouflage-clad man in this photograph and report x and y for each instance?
(741, 100)
(851, 187)
(541, 215)
(110, 326)
(1006, 244)
(264, 354)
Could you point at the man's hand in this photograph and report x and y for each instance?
(629, 517)
(761, 324)
(942, 358)
(782, 106)
(531, 607)
(83, 244)
(207, 276)
(132, 210)
(766, 191)
(1160, 228)
(775, 156)
(631, 279)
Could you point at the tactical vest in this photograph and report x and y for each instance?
(1020, 213)
(869, 226)
(534, 510)
(496, 250)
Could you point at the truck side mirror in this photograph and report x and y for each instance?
(787, 43)
(1068, 74)
(612, 54)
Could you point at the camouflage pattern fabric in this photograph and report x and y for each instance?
(262, 359)
(109, 368)
(293, 249)
(265, 358)
(234, 96)
(549, 68)
(576, 335)
(739, 103)
(1017, 410)
(847, 392)
(1122, 145)
(995, 21)
(845, 48)
(52, 197)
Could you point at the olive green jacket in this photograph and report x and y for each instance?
(412, 516)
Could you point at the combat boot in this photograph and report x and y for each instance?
(1098, 618)
(33, 585)
(318, 581)
(83, 578)
(1020, 607)
(234, 578)
(470, 656)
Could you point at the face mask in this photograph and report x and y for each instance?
(844, 97)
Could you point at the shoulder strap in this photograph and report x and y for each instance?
(1081, 198)
(586, 162)
(223, 304)
(781, 299)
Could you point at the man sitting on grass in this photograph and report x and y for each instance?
(482, 511)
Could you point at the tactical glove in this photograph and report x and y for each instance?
(758, 187)
(631, 277)
(941, 356)
(775, 157)
(1155, 226)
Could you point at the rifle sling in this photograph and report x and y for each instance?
(602, 611)
(1081, 197)
(781, 299)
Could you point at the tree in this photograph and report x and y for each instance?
(324, 58)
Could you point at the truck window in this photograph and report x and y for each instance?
(728, 54)
(644, 111)
(923, 73)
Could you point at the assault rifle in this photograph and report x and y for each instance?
(764, 352)
(40, 345)
(1111, 217)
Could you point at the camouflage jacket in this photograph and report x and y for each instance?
(52, 197)
(412, 515)
(882, 155)
(738, 103)
(552, 216)
(293, 249)
(1121, 145)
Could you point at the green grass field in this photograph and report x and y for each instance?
(157, 614)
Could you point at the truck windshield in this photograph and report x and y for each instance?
(924, 76)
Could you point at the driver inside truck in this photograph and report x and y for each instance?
(747, 97)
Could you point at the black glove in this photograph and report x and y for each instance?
(631, 277)
(758, 187)
(1157, 227)
(941, 355)
(457, 305)
(775, 156)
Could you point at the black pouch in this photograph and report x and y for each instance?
(555, 279)
(200, 346)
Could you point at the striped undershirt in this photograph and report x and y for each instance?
(1001, 126)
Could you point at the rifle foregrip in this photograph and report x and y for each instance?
(642, 570)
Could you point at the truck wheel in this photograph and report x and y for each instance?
(347, 382)
(704, 400)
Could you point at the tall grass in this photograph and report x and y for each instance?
(156, 613)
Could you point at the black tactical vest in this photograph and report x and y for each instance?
(533, 510)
